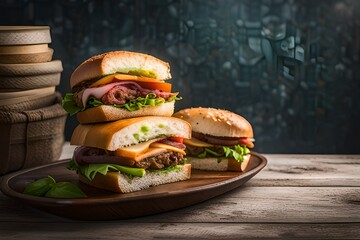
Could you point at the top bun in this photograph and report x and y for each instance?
(126, 132)
(216, 122)
(119, 61)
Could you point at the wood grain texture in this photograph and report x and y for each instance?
(310, 170)
(242, 205)
(295, 196)
(123, 230)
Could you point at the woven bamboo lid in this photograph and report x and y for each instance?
(28, 57)
(6, 94)
(23, 35)
(24, 49)
(30, 82)
(54, 66)
(38, 102)
(7, 98)
(25, 53)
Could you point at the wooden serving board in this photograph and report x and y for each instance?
(104, 205)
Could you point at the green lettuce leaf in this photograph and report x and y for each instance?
(150, 99)
(69, 104)
(90, 170)
(237, 152)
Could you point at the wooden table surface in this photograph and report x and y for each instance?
(295, 196)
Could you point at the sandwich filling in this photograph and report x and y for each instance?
(118, 90)
(156, 154)
(205, 146)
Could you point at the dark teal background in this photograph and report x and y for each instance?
(290, 67)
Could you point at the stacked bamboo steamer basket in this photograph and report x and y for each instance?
(32, 120)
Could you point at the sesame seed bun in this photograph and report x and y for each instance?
(118, 61)
(216, 122)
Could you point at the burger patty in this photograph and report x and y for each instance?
(89, 155)
(161, 161)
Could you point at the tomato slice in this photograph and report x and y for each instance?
(149, 83)
(247, 142)
(165, 87)
(176, 139)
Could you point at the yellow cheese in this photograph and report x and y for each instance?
(196, 143)
(122, 77)
(168, 147)
(150, 152)
(146, 149)
(135, 150)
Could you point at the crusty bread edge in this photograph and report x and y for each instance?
(106, 113)
(229, 164)
(116, 181)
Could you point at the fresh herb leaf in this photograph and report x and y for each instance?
(65, 190)
(39, 187)
(48, 187)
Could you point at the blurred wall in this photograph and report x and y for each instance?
(290, 67)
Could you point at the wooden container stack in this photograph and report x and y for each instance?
(32, 120)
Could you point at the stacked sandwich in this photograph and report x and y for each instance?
(127, 139)
(32, 120)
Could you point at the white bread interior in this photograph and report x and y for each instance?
(219, 164)
(216, 122)
(106, 113)
(119, 61)
(126, 132)
(121, 183)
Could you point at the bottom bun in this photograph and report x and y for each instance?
(121, 183)
(106, 113)
(219, 164)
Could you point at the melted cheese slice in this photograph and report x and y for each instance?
(196, 143)
(122, 77)
(135, 150)
(146, 149)
(168, 147)
(149, 153)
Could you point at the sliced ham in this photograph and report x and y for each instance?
(119, 93)
(173, 143)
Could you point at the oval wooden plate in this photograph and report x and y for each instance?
(104, 205)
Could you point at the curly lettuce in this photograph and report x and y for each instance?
(150, 100)
(237, 152)
(90, 170)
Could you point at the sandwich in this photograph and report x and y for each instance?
(221, 140)
(118, 85)
(131, 154)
